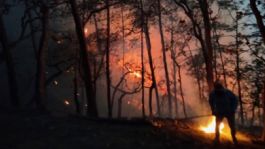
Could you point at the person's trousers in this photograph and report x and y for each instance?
(231, 122)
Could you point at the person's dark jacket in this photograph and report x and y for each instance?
(223, 102)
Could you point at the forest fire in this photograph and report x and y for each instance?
(144, 74)
(210, 128)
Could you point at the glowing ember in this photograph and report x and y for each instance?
(210, 128)
(59, 42)
(66, 102)
(55, 82)
(85, 30)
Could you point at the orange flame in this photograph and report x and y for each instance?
(210, 128)
(133, 71)
(137, 74)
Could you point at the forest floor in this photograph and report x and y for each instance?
(27, 130)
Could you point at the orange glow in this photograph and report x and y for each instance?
(210, 128)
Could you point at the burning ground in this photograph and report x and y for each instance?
(27, 130)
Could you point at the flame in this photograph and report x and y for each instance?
(133, 72)
(137, 74)
(210, 128)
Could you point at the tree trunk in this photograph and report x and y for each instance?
(223, 67)
(252, 115)
(181, 91)
(75, 91)
(259, 18)
(41, 59)
(151, 101)
(150, 58)
(120, 105)
(238, 74)
(238, 78)
(208, 54)
(98, 40)
(197, 75)
(91, 101)
(261, 26)
(200, 90)
(216, 75)
(108, 80)
(263, 98)
(221, 56)
(35, 50)
(173, 56)
(76, 100)
(33, 35)
(175, 86)
(11, 74)
(164, 58)
(142, 60)
(142, 74)
(205, 40)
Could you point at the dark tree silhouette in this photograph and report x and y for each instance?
(7, 55)
(204, 38)
(164, 57)
(41, 59)
(108, 79)
(91, 101)
(261, 26)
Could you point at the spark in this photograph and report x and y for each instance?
(55, 82)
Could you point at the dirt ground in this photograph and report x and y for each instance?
(35, 131)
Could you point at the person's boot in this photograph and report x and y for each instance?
(235, 140)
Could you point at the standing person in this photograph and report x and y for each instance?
(223, 104)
